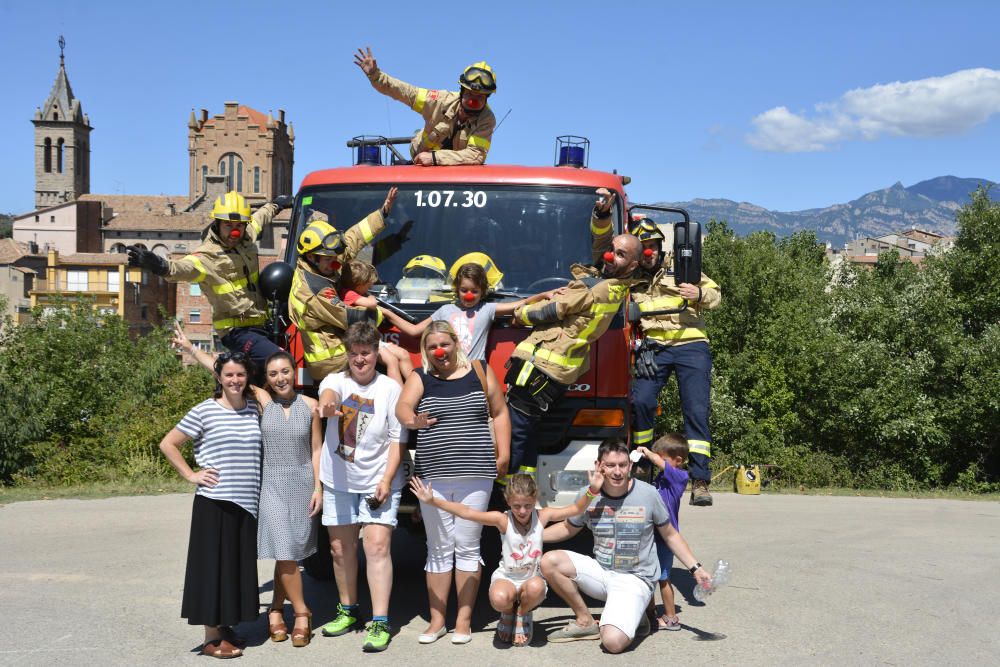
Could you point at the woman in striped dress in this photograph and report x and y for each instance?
(445, 405)
(220, 584)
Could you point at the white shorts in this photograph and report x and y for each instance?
(626, 596)
(500, 575)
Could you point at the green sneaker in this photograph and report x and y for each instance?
(377, 638)
(340, 625)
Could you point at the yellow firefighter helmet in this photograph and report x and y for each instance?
(321, 238)
(425, 266)
(493, 274)
(231, 207)
(479, 78)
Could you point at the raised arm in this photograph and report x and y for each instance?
(425, 494)
(559, 532)
(182, 342)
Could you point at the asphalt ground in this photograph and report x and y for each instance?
(816, 580)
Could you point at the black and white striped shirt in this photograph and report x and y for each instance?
(459, 444)
(227, 441)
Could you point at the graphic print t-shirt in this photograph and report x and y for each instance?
(623, 530)
(356, 446)
(472, 326)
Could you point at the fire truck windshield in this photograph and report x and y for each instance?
(532, 233)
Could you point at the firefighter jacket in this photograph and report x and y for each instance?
(228, 276)
(317, 311)
(566, 325)
(660, 292)
(322, 319)
(453, 143)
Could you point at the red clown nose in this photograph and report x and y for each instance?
(439, 353)
(468, 296)
(609, 256)
(235, 234)
(648, 252)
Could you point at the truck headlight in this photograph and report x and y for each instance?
(568, 480)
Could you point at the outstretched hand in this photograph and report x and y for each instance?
(605, 199)
(390, 199)
(366, 61)
(328, 410)
(423, 492)
(596, 479)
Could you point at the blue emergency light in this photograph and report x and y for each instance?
(572, 151)
(369, 150)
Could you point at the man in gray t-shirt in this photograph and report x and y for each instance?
(624, 565)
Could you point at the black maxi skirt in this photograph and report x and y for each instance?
(220, 584)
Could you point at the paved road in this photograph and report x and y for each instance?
(817, 580)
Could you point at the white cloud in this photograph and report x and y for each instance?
(932, 107)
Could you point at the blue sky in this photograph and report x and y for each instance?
(788, 105)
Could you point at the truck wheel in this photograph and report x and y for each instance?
(319, 566)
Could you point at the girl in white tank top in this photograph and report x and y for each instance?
(517, 583)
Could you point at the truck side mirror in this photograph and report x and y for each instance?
(687, 252)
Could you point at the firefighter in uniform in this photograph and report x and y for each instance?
(672, 343)
(458, 127)
(225, 264)
(313, 303)
(557, 352)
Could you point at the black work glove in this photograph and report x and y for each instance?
(283, 201)
(645, 361)
(147, 259)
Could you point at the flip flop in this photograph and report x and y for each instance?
(523, 625)
(506, 624)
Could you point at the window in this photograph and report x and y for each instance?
(59, 156)
(195, 289)
(144, 312)
(52, 218)
(194, 316)
(114, 280)
(231, 166)
(38, 218)
(48, 155)
(118, 248)
(76, 281)
(256, 179)
(204, 176)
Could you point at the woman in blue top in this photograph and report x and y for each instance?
(220, 584)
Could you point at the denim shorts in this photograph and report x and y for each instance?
(665, 556)
(343, 508)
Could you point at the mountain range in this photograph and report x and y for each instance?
(929, 205)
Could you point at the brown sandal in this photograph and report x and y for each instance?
(230, 636)
(220, 648)
(279, 631)
(298, 638)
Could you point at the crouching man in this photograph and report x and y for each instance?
(624, 567)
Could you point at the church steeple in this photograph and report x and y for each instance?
(62, 143)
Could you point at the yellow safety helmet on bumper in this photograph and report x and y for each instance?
(479, 78)
(493, 274)
(231, 207)
(425, 266)
(321, 238)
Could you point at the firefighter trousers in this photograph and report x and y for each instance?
(692, 364)
(527, 404)
(253, 342)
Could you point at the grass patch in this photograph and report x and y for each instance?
(148, 487)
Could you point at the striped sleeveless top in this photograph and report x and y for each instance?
(459, 443)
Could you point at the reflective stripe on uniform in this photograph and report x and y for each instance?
(689, 333)
(522, 377)
(479, 142)
(233, 322)
(198, 265)
(548, 355)
(427, 142)
(421, 99)
(527, 470)
(642, 437)
(255, 226)
(235, 285)
(524, 316)
(700, 447)
(320, 353)
(598, 230)
(366, 231)
(605, 308)
(663, 303)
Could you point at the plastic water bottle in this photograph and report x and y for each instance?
(720, 577)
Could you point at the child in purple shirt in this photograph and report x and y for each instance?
(669, 453)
